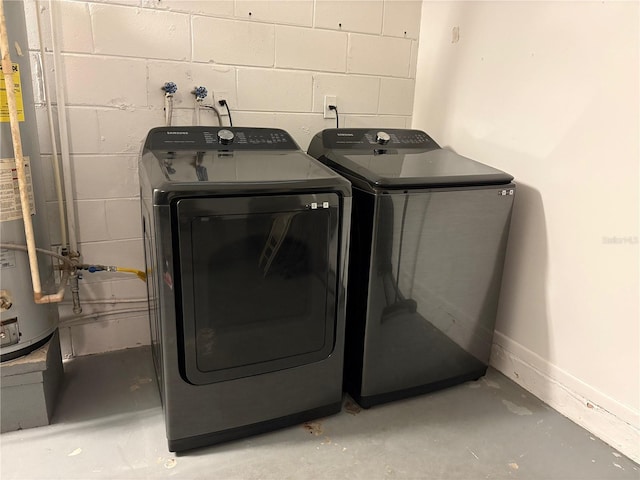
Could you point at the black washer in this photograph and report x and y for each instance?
(428, 240)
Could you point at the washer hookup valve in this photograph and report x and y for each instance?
(170, 88)
(200, 93)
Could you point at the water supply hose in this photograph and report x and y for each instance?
(109, 268)
(138, 273)
(200, 94)
(169, 89)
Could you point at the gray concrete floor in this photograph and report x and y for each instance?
(108, 424)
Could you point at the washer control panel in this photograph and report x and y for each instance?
(220, 138)
(364, 138)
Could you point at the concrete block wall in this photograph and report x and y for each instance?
(274, 60)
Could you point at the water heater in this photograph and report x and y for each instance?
(24, 325)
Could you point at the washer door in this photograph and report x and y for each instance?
(257, 283)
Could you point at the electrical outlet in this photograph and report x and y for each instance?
(217, 98)
(330, 100)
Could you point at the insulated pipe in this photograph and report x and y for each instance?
(7, 68)
(64, 134)
(52, 135)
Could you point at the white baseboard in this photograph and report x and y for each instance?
(608, 419)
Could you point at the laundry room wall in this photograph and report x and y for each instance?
(272, 60)
(549, 91)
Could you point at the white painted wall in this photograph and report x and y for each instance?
(549, 91)
(275, 59)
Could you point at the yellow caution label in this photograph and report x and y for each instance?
(4, 105)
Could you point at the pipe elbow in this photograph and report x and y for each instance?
(42, 299)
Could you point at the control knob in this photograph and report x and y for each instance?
(225, 137)
(382, 138)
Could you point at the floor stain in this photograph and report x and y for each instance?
(314, 428)
(491, 383)
(352, 407)
(517, 409)
(139, 381)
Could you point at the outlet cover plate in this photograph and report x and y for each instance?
(330, 100)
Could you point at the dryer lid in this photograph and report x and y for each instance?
(231, 155)
(216, 167)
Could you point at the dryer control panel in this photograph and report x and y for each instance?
(364, 138)
(219, 138)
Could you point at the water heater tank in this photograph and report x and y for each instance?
(24, 325)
